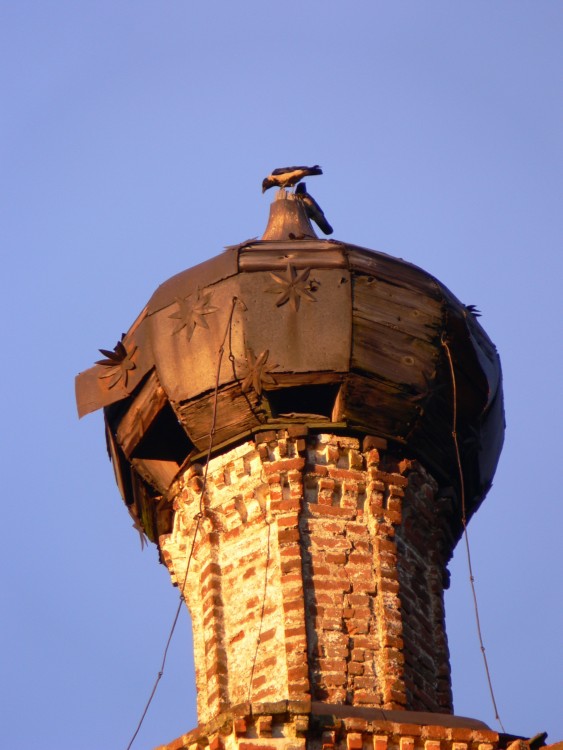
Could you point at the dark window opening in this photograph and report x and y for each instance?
(165, 440)
(310, 400)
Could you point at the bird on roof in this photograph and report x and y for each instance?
(285, 177)
(312, 208)
(473, 310)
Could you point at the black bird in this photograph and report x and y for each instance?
(473, 310)
(285, 177)
(312, 208)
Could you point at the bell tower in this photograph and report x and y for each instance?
(303, 426)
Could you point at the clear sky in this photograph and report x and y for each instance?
(134, 138)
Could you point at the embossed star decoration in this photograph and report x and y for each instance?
(191, 312)
(292, 288)
(258, 373)
(118, 363)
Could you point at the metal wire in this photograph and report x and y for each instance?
(262, 611)
(464, 524)
(198, 518)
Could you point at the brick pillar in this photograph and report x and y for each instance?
(313, 576)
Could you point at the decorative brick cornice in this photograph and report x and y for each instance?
(293, 725)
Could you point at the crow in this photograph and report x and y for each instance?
(473, 310)
(312, 208)
(285, 177)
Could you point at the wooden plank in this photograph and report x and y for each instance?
(236, 414)
(392, 355)
(159, 474)
(393, 270)
(140, 414)
(375, 406)
(400, 309)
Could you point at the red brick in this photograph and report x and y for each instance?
(287, 504)
(284, 464)
(329, 585)
(354, 741)
(337, 473)
(297, 673)
(289, 519)
(358, 600)
(294, 631)
(330, 542)
(334, 679)
(293, 563)
(337, 558)
(386, 584)
(355, 668)
(354, 626)
(216, 743)
(332, 665)
(267, 635)
(288, 535)
(330, 510)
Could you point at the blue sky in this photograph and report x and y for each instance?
(134, 138)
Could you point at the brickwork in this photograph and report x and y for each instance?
(423, 554)
(267, 727)
(314, 575)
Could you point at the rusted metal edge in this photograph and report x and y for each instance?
(277, 255)
(189, 281)
(315, 244)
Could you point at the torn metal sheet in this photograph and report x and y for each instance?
(103, 385)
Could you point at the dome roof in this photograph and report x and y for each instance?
(298, 334)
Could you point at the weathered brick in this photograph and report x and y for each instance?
(354, 741)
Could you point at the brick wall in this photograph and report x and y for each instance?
(316, 573)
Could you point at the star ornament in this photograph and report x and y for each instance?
(257, 374)
(191, 313)
(117, 363)
(292, 288)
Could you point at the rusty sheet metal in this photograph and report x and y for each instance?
(187, 282)
(103, 385)
(313, 255)
(266, 326)
(298, 246)
(187, 336)
(303, 320)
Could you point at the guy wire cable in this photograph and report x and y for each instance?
(263, 608)
(464, 524)
(198, 518)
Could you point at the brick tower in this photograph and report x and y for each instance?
(281, 421)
